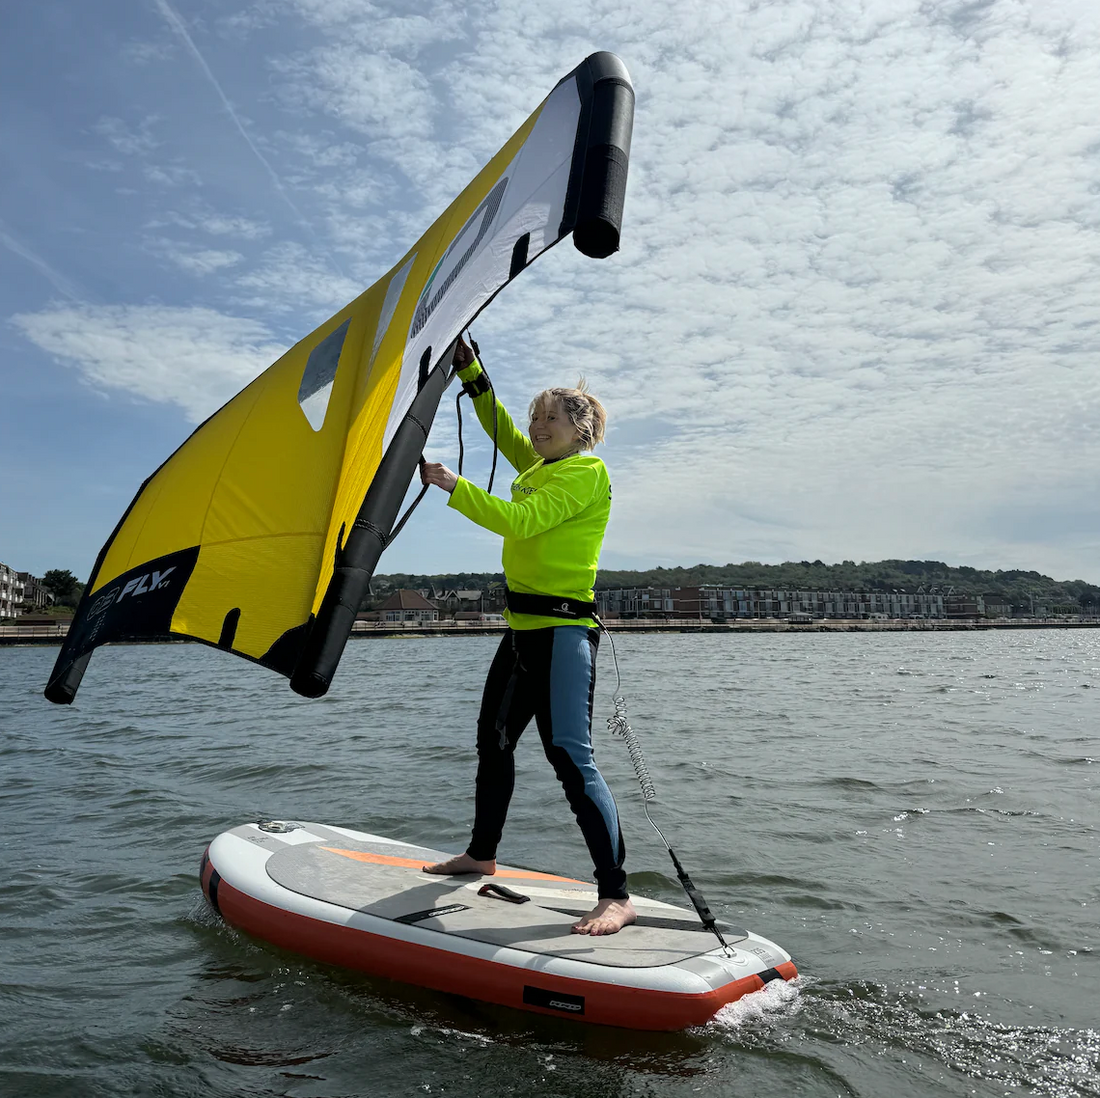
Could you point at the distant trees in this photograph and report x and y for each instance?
(1019, 587)
(64, 586)
(446, 581)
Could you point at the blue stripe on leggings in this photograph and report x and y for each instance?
(570, 683)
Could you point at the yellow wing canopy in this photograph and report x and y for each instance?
(259, 535)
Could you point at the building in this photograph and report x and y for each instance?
(965, 606)
(636, 602)
(406, 605)
(709, 601)
(11, 593)
(34, 594)
(997, 606)
(456, 602)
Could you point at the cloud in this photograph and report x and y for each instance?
(378, 95)
(172, 175)
(146, 53)
(857, 286)
(194, 358)
(292, 279)
(242, 227)
(200, 219)
(203, 261)
(122, 138)
(386, 27)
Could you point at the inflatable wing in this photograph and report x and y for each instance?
(259, 535)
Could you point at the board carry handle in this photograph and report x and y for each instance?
(501, 892)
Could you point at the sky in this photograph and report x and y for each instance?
(855, 314)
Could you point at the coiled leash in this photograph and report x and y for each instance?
(619, 725)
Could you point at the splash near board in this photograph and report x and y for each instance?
(362, 902)
(259, 535)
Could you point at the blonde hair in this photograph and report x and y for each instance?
(587, 415)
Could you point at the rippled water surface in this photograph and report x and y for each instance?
(913, 816)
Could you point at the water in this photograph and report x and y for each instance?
(913, 816)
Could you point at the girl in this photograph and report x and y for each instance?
(545, 666)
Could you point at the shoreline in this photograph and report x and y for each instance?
(46, 636)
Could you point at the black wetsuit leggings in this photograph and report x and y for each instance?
(548, 674)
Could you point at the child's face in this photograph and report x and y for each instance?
(552, 434)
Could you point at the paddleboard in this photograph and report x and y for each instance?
(362, 902)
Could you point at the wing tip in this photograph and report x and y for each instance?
(606, 156)
(58, 695)
(311, 685)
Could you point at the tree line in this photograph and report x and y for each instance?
(65, 588)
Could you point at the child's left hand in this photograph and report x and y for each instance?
(439, 475)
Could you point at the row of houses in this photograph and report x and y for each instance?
(730, 603)
(20, 591)
(709, 602)
(428, 604)
(727, 603)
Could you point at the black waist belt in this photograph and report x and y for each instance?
(549, 606)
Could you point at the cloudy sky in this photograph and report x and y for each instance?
(856, 313)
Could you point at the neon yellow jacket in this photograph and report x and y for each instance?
(554, 526)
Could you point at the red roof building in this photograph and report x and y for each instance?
(406, 605)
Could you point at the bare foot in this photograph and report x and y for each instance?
(607, 917)
(462, 863)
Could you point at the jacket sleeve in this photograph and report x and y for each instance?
(566, 495)
(511, 441)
